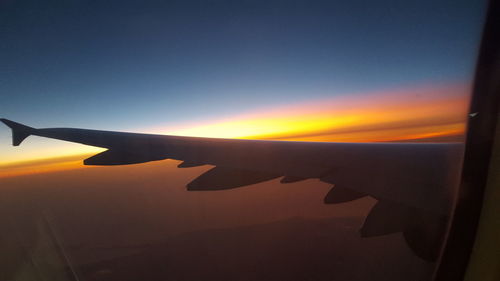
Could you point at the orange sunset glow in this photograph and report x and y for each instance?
(393, 116)
(432, 114)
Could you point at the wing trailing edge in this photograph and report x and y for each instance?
(338, 195)
(114, 157)
(220, 178)
(423, 231)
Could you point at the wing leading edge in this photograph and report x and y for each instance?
(413, 183)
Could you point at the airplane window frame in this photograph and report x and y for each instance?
(482, 121)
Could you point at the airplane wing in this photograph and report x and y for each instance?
(413, 183)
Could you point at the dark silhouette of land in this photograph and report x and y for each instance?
(294, 249)
(139, 223)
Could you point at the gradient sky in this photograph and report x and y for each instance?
(170, 66)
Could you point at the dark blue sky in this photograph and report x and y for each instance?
(132, 64)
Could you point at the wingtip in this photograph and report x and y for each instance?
(19, 131)
(6, 121)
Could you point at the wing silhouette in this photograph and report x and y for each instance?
(413, 183)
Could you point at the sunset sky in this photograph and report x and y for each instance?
(308, 70)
